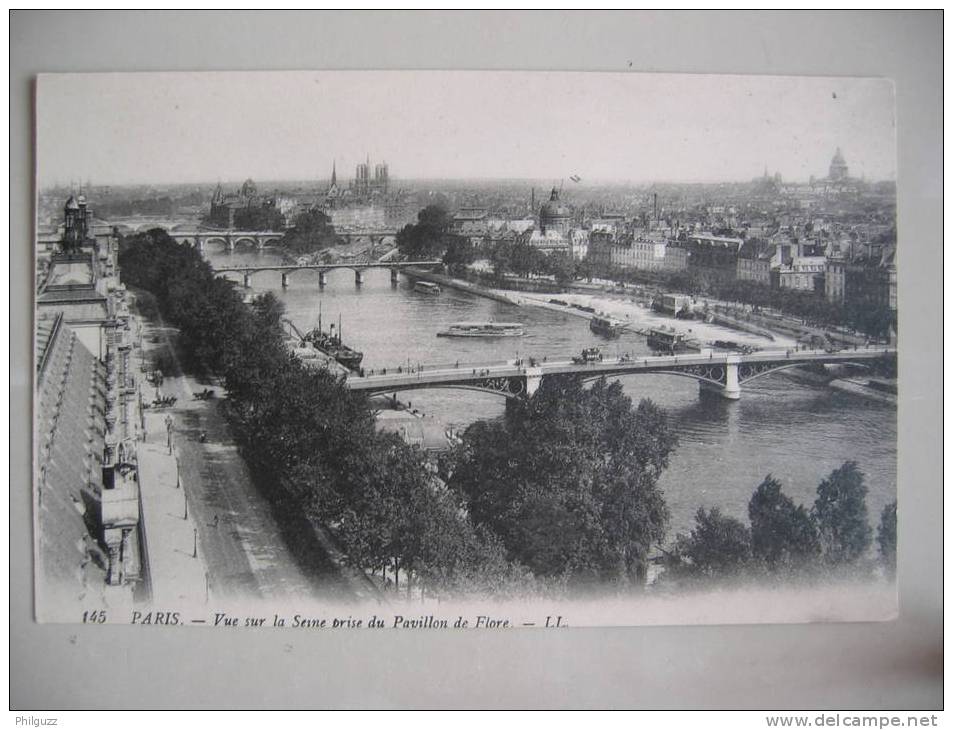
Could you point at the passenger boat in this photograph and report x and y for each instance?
(668, 341)
(426, 287)
(483, 329)
(606, 326)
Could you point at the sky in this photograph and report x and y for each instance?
(202, 127)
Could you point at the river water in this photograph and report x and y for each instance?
(784, 424)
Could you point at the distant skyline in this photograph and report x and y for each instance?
(167, 128)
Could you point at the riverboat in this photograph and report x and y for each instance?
(426, 287)
(483, 329)
(668, 341)
(606, 326)
(331, 345)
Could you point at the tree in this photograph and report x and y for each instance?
(840, 512)
(782, 535)
(887, 537)
(717, 546)
(428, 238)
(312, 231)
(562, 266)
(259, 218)
(458, 254)
(568, 480)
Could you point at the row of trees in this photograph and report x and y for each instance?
(783, 538)
(522, 259)
(311, 442)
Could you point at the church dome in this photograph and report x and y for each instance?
(553, 210)
(248, 188)
(838, 170)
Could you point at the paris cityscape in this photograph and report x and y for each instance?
(382, 385)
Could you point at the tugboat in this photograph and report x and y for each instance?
(606, 326)
(331, 345)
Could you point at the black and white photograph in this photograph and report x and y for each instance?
(445, 349)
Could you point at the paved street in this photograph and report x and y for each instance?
(245, 549)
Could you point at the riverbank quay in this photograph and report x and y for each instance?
(242, 537)
(789, 327)
(640, 317)
(737, 324)
(862, 387)
(459, 284)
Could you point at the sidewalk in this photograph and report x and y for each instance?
(176, 562)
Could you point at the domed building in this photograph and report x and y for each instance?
(838, 169)
(76, 224)
(554, 216)
(249, 189)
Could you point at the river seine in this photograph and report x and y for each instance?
(784, 424)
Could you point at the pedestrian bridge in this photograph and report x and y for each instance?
(720, 372)
(357, 266)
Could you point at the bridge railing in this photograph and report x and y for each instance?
(415, 368)
(560, 365)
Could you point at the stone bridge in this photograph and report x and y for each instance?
(230, 240)
(357, 266)
(720, 372)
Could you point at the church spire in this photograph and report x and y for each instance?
(334, 173)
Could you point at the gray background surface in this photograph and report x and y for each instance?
(897, 665)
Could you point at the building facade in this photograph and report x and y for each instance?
(805, 273)
(226, 207)
(636, 253)
(757, 270)
(86, 490)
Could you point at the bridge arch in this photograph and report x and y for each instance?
(715, 372)
(216, 240)
(245, 241)
(749, 371)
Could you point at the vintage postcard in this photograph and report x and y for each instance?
(464, 350)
